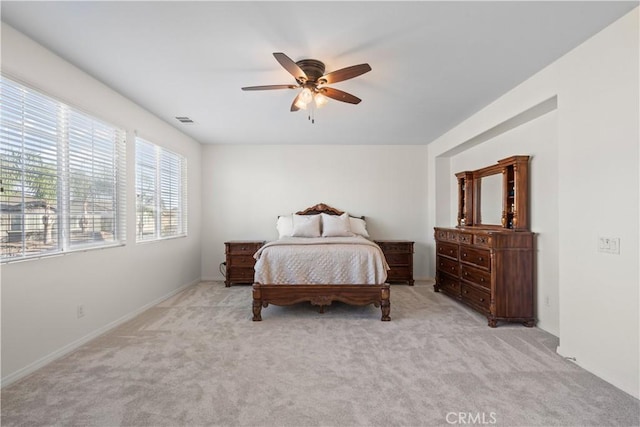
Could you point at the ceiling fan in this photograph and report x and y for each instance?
(310, 76)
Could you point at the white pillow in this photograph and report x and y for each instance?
(284, 225)
(306, 226)
(358, 226)
(336, 226)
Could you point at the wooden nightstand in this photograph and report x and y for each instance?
(399, 255)
(240, 261)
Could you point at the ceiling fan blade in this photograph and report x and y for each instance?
(290, 66)
(345, 73)
(270, 87)
(294, 107)
(339, 95)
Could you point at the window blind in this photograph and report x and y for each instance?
(62, 176)
(161, 189)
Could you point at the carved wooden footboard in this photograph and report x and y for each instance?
(321, 295)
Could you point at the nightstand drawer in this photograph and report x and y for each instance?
(249, 248)
(241, 261)
(390, 247)
(398, 259)
(240, 275)
(399, 273)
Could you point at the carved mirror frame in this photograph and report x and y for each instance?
(514, 194)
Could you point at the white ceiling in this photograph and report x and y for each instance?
(433, 63)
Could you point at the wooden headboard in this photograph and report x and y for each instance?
(323, 208)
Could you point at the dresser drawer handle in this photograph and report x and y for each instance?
(482, 279)
(481, 299)
(464, 254)
(480, 259)
(466, 292)
(466, 274)
(453, 268)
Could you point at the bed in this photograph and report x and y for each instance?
(322, 255)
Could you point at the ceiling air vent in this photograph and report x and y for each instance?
(185, 120)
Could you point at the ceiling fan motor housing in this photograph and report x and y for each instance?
(313, 68)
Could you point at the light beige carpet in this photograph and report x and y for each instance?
(198, 360)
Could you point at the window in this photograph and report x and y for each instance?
(62, 176)
(161, 192)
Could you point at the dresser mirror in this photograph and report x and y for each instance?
(489, 198)
(496, 196)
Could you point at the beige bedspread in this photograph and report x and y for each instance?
(322, 260)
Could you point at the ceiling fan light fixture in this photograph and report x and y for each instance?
(301, 104)
(320, 100)
(306, 95)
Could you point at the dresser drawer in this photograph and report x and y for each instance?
(442, 235)
(476, 297)
(447, 249)
(449, 285)
(483, 240)
(447, 265)
(475, 275)
(248, 248)
(478, 257)
(464, 238)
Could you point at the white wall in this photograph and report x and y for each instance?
(596, 187)
(40, 297)
(599, 196)
(245, 188)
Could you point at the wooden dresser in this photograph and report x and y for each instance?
(239, 261)
(491, 271)
(399, 256)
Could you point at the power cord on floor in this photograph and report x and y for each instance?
(223, 269)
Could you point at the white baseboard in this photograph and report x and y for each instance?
(23, 372)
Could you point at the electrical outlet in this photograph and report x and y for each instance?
(609, 245)
(80, 311)
(614, 246)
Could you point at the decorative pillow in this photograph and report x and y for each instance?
(336, 226)
(358, 226)
(284, 225)
(306, 226)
